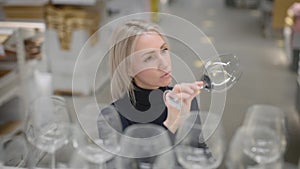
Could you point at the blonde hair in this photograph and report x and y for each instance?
(123, 43)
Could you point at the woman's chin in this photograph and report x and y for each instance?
(166, 82)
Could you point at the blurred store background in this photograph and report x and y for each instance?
(40, 41)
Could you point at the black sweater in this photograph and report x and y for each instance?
(148, 108)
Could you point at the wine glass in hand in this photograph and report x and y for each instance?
(221, 73)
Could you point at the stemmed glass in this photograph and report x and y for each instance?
(235, 158)
(145, 146)
(268, 116)
(48, 125)
(253, 147)
(199, 146)
(94, 152)
(261, 144)
(13, 150)
(88, 154)
(109, 129)
(221, 73)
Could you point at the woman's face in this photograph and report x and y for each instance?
(152, 62)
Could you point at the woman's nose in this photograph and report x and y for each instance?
(163, 62)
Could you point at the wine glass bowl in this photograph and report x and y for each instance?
(87, 154)
(145, 146)
(109, 130)
(221, 73)
(271, 117)
(261, 144)
(48, 124)
(199, 146)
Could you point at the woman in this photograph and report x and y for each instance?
(140, 66)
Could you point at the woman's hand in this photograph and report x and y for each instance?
(184, 93)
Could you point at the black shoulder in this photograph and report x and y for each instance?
(194, 105)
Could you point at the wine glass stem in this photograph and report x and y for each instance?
(53, 160)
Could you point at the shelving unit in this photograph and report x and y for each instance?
(14, 74)
(11, 82)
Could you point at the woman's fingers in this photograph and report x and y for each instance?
(189, 88)
(179, 88)
(182, 94)
(199, 84)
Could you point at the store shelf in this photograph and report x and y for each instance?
(7, 76)
(17, 68)
(9, 91)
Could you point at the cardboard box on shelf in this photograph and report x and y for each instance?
(74, 2)
(71, 38)
(24, 9)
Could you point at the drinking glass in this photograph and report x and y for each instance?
(48, 125)
(235, 158)
(145, 146)
(110, 129)
(199, 146)
(221, 73)
(238, 156)
(88, 155)
(261, 144)
(269, 116)
(13, 150)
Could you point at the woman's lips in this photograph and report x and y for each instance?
(166, 75)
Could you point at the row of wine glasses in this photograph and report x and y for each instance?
(142, 146)
(260, 141)
(147, 146)
(48, 127)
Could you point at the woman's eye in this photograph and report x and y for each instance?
(148, 58)
(164, 50)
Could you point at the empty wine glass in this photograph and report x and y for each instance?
(145, 146)
(221, 73)
(269, 116)
(48, 125)
(236, 158)
(109, 128)
(261, 144)
(199, 146)
(13, 150)
(88, 155)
